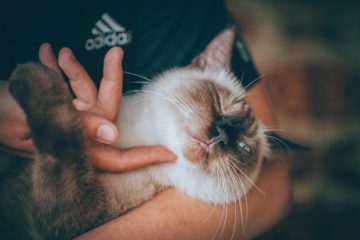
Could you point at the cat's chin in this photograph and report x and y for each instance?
(208, 186)
(220, 193)
(229, 190)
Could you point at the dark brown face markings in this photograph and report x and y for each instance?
(228, 128)
(217, 99)
(253, 131)
(208, 96)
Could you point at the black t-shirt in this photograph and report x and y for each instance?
(155, 35)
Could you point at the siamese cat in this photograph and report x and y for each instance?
(199, 112)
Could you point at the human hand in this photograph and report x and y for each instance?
(99, 110)
(15, 136)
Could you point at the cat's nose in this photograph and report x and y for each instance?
(225, 129)
(220, 136)
(204, 146)
(209, 143)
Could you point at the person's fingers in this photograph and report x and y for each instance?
(48, 58)
(17, 152)
(112, 159)
(81, 83)
(111, 85)
(98, 128)
(27, 145)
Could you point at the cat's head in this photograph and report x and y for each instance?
(219, 128)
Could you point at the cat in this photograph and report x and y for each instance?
(199, 112)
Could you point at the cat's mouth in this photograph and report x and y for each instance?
(203, 149)
(209, 145)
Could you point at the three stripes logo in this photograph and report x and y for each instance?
(108, 33)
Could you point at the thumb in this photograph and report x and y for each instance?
(112, 159)
(48, 58)
(98, 128)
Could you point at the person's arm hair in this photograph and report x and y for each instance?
(173, 215)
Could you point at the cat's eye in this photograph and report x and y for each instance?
(244, 147)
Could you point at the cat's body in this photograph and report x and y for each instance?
(198, 112)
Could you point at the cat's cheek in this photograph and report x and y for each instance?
(195, 153)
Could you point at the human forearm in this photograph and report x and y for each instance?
(173, 215)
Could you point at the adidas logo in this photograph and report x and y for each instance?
(108, 33)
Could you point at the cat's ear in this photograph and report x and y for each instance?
(217, 54)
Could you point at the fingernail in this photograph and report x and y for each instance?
(172, 157)
(167, 155)
(106, 133)
(72, 56)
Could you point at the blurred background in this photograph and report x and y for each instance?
(308, 53)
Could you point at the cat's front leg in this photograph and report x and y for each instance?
(68, 198)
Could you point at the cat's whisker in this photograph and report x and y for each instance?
(256, 79)
(244, 92)
(244, 192)
(223, 184)
(248, 179)
(234, 187)
(243, 195)
(226, 197)
(181, 108)
(140, 82)
(217, 181)
(223, 179)
(224, 211)
(140, 100)
(189, 107)
(146, 99)
(192, 107)
(278, 141)
(219, 184)
(248, 94)
(240, 195)
(137, 75)
(263, 130)
(131, 91)
(167, 91)
(246, 204)
(237, 161)
(242, 78)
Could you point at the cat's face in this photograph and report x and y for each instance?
(219, 127)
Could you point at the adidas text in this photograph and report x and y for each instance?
(110, 40)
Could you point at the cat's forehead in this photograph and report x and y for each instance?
(193, 78)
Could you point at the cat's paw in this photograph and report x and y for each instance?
(32, 84)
